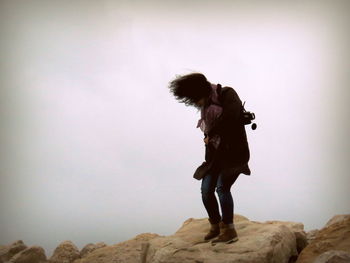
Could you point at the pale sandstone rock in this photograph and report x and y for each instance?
(311, 235)
(334, 236)
(269, 242)
(298, 230)
(34, 254)
(272, 241)
(91, 247)
(337, 218)
(7, 252)
(66, 252)
(333, 256)
(125, 252)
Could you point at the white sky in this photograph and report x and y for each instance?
(97, 149)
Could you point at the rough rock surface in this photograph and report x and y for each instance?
(267, 242)
(7, 252)
(32, 254)
(66, 252)
(272, 241)
(334, 236)
(91, 247)
(311, 235)
(333, 256)
(298, 230)
(127, 251)
(337, 218)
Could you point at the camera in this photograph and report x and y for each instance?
(247, 117)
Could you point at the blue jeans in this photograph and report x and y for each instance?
(223, 185)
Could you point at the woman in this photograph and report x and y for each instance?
(226, 147)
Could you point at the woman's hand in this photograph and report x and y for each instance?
(206, 140)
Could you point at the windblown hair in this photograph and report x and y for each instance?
(190, 88)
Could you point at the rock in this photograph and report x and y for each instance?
(298, 230)
(333, 256)
(336, 219)
(7, 252)
(66, 252)
(334, 236)
(91, 247)
(272, 242)
(32, 254)
(127, 251)
(311, 235)
(258, 242)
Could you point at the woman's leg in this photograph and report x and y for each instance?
(223, 188)
(208, 197)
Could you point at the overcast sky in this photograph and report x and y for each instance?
(95, 148)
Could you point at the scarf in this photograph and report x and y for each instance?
(209, 113)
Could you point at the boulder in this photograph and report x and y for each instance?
(337, 218)
(311, 235)
(334, 236)
(298, 230)
(91, 247)
(66, 252)
(32, 254)
(7, 252)
(333, 256)
(272, 242)
(127, 251)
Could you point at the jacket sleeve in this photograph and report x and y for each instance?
(230, 116)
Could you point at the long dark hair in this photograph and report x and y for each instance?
(190, 88)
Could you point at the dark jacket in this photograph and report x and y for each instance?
(233, 152)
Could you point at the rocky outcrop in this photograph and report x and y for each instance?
(337, 219)
(335, 236)
(272, 241)
(259, 242)
(333, 256)
(311, 235)
(91, 247)
(127, 251)
(7, 252)
(66, 252)
(34, 254)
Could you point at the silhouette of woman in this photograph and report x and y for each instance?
(226, 147)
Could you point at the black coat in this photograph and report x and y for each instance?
(233, 152)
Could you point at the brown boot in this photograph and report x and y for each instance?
(228, 235)
(214, 231)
